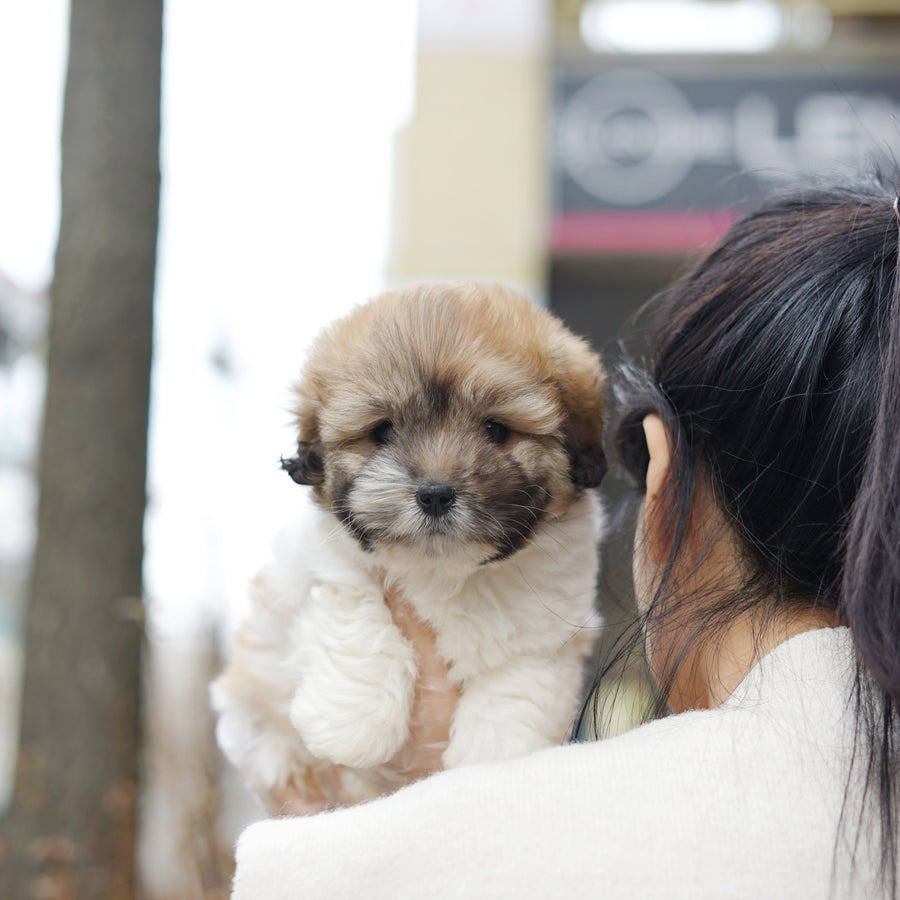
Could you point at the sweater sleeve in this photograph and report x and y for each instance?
(743, 801)
(631, 818)
(479, 831)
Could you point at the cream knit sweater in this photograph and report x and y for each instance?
(742, 801)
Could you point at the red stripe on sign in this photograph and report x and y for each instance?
(638, 231)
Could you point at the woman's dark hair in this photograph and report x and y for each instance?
(775, 366)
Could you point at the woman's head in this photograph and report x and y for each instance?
(766, 371)
(774, 372)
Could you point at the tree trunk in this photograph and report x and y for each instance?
(70, 830)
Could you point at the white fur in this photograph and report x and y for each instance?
(356, 675)
(339, 676)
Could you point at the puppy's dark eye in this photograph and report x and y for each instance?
(497, 432)
(382, 432)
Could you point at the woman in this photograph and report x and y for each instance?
(766, 436)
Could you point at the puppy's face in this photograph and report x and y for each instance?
(449, 420)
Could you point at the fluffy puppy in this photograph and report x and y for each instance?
(451, 435)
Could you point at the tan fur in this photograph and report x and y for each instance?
(511, 360)
(487, 395)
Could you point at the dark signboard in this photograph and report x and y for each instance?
(645, 160)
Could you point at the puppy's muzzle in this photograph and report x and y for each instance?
(435, 499)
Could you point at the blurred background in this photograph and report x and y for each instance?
(313, 154)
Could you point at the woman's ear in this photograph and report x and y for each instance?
(654, 518)
(660, 456)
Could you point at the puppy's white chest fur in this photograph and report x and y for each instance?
(319, 670)
(529, 604)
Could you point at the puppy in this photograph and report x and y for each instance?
(451, 435)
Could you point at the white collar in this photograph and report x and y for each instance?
(818, 660)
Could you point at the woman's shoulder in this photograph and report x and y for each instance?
(739, 801)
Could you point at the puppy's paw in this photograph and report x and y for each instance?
(518, 709)
(491, 741)
(357, 678)
(267, 755)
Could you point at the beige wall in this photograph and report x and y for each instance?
(471, 189)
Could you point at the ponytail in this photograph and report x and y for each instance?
(870, 594)
(871, 588)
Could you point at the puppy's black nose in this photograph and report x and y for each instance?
(435, 499)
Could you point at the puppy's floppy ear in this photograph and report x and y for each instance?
(307, 466)
(581, 383)
(587, 469)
